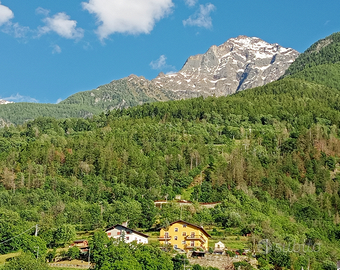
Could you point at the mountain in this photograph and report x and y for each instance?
(324, 51)
(238, 64)
(126, 92)
(2, 101)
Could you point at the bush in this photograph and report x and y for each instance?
(73, 253)
(243, 266)
(26, 261)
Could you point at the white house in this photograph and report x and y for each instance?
(126, 234)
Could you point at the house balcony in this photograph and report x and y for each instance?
(195, 238)
(164, 238)
(188, 247)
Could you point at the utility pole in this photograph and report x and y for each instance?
(89, 255)
(37, 251)
(36, 230)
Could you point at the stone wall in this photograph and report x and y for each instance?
(221, 262)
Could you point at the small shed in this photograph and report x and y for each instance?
(80, 243)
(219, 247)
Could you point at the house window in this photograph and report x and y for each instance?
(192, 243)
(128, 232)
(184, 225)
(127, 238)
(176, 229)
(183, 242)
(109, 234)
(175, 237)
(184, 234)
(118, 233)
(136, 238)
(175, 246)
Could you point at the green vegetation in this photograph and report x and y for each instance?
(325, 51)
(27, 262)
(328, 74)
(122, 93)
(270, 155)
(18, 113)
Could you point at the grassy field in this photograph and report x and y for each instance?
(65, 268)
(231, 242)
(3, 258)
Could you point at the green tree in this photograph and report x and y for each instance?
(73, 253)
(27, 262)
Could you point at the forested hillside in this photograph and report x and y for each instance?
(270, 155)
(324, 51)
(18, 113)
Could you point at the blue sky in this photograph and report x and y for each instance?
(50, 49)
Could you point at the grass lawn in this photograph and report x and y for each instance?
(65, 268)
(231, 242)
(3, 258)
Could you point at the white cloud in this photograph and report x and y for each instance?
(59, 100)
(191, 3)
(56, 49)
(202, 17)
(132, 17)
(160, 64)
(5, 14)
(42, 11)
(20, 98)
(16, 30)
(8, 27)
(61, 24)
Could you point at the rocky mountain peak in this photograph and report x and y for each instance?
(2, 101)
(239, 63)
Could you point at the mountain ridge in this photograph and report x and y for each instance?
(238, 64)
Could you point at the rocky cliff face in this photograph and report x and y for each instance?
(238, 64)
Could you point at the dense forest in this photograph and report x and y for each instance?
(270, 155)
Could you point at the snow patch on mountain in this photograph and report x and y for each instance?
(238, 64)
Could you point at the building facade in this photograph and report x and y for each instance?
(127, 235)
(184, 235)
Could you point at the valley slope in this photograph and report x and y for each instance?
(270, 155)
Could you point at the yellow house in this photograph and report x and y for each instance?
(184, 235)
